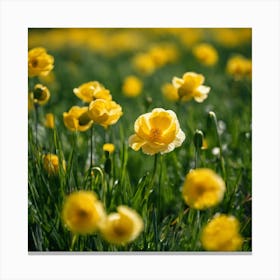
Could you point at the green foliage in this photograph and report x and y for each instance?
(132, 178)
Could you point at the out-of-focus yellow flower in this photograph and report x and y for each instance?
(157, 132)
(91, 91)
(40, 94)
(51, 164)
(40, 63)
(191, 86)
(170, 92)
(77, 119)
(144, 63)
(122, 227)
(163, 54)
(49, 120)
(104, 112)
(205, 54)
(239, 67)
(222, 234)
(132, 86)
(109, 147)
(82, 212)
(203, 188)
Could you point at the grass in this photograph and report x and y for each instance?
(149, 184)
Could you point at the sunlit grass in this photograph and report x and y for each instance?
(151, 185)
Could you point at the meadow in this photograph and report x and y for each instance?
(163, 176)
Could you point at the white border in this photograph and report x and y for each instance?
(17, 16)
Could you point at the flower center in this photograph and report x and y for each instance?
(155, 134)
(34, 62)
(84, 119)
(82, 214)
(40, 94)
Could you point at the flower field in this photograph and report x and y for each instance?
(140, 139)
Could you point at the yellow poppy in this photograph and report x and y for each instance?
(191, 86)
(122, 227)
(77, 119)
(82, 212)
(132, 86)
(104, 112)
(39, 62)
(206, 54)
(40, 94)
(203, 188)
(157, 132)
(222, 234)
(51, 164)
(91, 91)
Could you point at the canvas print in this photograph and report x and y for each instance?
(139, 140)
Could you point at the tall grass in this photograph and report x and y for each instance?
(149, 184)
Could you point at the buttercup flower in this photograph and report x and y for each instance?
(203, 188)
(239, 67)
(82, 212)
(39, 62)
(170, 92)
(122, 227)
(132, 86)
(109, 147)
(144, 63)
(222, 234)
(40, 94)
(77, 119)
(104, 112)
(206, 54)
(51, 164)
(49, 120)
(191, 86)
(157, 132)
(91, 91)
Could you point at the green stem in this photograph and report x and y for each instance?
(73, 242)
(91, 146)
(36, 124)
(222, 160)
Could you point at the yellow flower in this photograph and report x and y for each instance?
(40, 94)
(132, 86)
(91, 91)
(104, 112)
(206, 54)
(158, 131)
(49, 120)
(144, 63)
(109, 147)
(77, 119)
(170, 92)
(82, 212)
(122, 227)
(239, 67)
(51, 164)
(222, 234)
(191, 86)
(39, 62)
(203, 188)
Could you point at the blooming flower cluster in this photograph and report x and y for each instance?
(101, 109)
